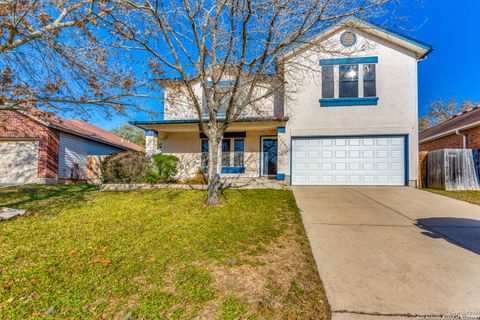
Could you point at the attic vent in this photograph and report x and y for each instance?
(348, 39)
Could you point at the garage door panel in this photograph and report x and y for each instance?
(397, 142)
(368, 142)
(348, 161)
(354, 166)
(353, 142)
(327, 154)
(327, 143)
(355, 154)
(397, 154)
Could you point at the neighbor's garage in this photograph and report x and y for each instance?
(349, 160)
(18, 161)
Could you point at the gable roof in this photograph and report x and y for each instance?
(82, 129)
(421, 49)
(459, 122)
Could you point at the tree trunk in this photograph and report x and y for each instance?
(214, 161)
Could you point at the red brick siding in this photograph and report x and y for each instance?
(16, 125)
(454, 141)
(473, 138)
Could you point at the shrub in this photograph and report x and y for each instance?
(124, 167)
(133, 167)
(166, 166)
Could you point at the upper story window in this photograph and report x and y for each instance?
(328, 86)
(349, 81)
(369, 81)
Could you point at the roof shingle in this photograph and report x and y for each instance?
(452, 124)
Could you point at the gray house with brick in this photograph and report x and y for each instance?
(459, 132)
(41, 149)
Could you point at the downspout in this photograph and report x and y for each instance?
(464, 136)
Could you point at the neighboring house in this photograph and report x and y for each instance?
(350, 118)
(459, 132)
(37, 149)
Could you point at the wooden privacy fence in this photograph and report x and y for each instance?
(449, 169)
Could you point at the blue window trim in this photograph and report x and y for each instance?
(346, 102)
(338, 61)
(281, 130)
(233, 170)
(406, 152)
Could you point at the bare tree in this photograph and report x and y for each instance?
(214, 41)
(441, 110)
(53, 54)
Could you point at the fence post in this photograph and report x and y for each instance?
(422, 169)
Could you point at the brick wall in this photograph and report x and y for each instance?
(16, 125)
(454, 141)
(473, 138)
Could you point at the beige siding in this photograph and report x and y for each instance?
(185, 146)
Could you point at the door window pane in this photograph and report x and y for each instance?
(348, 86)
(269, 156)
(369, 83)
(327, 82)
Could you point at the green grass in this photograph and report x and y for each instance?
(468, 196)
(160, 254)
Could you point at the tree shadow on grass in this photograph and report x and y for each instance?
(462, 232)
(40, 198)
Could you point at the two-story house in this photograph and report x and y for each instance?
(350, 117)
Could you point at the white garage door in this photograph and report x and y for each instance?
(348, 161)
(18, 162)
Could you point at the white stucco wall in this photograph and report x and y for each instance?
(396, 112)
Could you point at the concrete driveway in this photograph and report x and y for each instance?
(393, 252)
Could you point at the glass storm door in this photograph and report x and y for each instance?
(269, 156)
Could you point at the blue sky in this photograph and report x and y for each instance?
(450, 70)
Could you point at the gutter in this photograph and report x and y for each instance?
(453, 131)
(464, 138)
(190, 121)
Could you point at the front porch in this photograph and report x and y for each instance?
(249, 148)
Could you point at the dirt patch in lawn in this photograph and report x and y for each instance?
(280, 283)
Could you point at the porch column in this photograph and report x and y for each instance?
(151, 142)
(283, 155)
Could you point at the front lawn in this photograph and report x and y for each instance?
(162, 254)
(471, 196)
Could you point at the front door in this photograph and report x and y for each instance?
(269, 156)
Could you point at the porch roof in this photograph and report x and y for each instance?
(185, 125)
